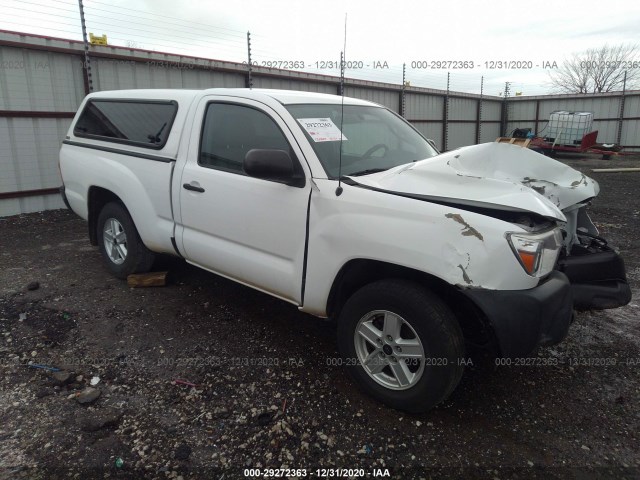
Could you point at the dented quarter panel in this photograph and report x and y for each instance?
(460, 247)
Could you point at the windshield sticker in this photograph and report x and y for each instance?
(321, 129)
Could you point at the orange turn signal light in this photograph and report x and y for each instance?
(528, 261)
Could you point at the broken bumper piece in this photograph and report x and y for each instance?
(523, 320)
(598, 280)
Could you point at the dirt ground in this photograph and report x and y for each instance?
(205, 378)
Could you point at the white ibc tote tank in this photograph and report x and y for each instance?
(568, 128)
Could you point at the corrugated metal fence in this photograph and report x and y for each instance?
(44, 79)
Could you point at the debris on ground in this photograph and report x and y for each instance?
(88, 395)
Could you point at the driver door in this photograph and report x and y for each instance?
(247, 229)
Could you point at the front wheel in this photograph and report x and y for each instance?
(119, 242)
(401, 344)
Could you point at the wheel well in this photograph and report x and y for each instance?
(98, 198)
(355, 274)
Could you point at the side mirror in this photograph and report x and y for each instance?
(274, 165)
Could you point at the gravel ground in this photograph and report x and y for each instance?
(204, 378)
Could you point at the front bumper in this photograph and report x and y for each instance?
(522, 320)
(598, 280)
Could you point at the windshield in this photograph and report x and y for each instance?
(374, 138)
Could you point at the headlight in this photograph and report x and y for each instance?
(536, 252)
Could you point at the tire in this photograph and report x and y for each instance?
(428, 330)
(123, 253)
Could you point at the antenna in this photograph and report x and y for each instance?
(342, 65)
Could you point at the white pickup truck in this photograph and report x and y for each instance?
(342, 208)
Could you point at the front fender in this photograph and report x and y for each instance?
(459, 247)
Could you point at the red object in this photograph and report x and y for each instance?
(589, 140)
(586, 146)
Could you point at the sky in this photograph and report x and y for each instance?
(468, 39)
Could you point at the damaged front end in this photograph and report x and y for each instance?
(596, 271)
(527, 189)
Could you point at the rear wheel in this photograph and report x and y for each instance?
(119, 242)
(401, 344)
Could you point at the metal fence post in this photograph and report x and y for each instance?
(86, 67)
(249, 82)
(621, 116)
(505, 110)
(402, 92)
(445, 126)
(479, 112)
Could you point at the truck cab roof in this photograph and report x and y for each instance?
(285, 97)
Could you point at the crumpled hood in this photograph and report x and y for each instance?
(491, 175)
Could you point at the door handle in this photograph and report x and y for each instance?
(193, 188)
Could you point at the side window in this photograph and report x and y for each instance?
(230, 131)
(141, 123)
